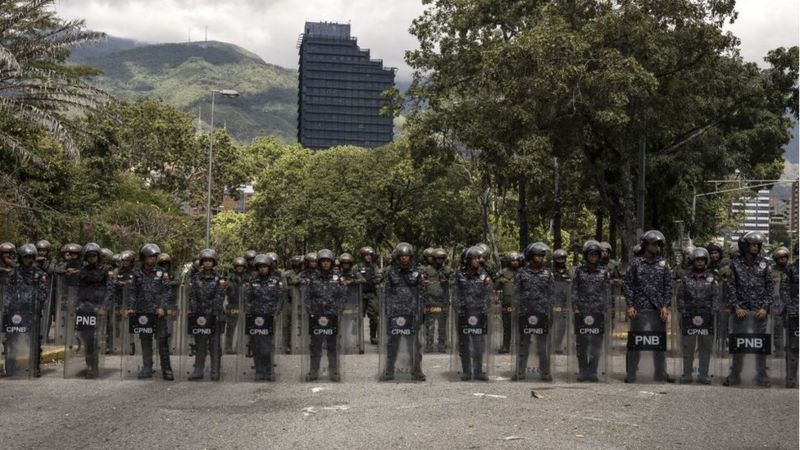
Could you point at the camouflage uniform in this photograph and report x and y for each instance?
(647, 288)
(207, 296)
(590, 294)
(149, 291)
(534, 293)
(750, 288)
(262, 296)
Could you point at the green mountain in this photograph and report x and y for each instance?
(184, 74)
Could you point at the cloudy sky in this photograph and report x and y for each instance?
(270, 27)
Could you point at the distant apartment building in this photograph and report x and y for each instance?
(754, 213)
(340, 90)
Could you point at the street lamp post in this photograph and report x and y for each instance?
(226, 93)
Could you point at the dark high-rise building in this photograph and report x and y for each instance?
(340, 90)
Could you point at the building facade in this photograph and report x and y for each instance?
(340, 90)
(754, 213)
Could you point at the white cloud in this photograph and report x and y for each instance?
(270, 27)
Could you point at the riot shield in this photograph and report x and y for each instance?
(647, 334)
(695, 331)
(532, 346)
(400, 347)
(85, 352)
(143, 335)
(20, 332)
(66, 295)
(589, 335)
(231, 317)
(259, 357)
(472, 357)
(296, 327)
(747, 354)
(352, 327)
(791, 347)
(201, 356)
(560, 316)
(321, 333)
(436, 321)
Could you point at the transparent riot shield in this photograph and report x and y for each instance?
(201, 345)
(560, 322)
(747, 356)
(20, 347)
(618, 308)
(66, 295)
(48, 311)
(260, 356)
(589, 339)
(532, 346)
(472, 357)
(791, 347)
(399, 337)
(642, 351)
(436, 319)
(296, 327)
(696, 339)
(84, 354)
(230, 338)
(145, 342)
(352, 327)
(322, 333)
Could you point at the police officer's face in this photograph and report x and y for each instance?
(27, 261)
(593, 258)
(404, 260)
(91, 258)
(312, 265)
(699, 264)
(326, 264)
(753, 249)
(346, 266)
(42, 253)
(715, 256)
(70, 256)
(604, 254)
(782, 261)
(150, 260)
(538, 260)
(515, 264)
(126, 263)
(263, 270)
(207, 264)
(368, 258)
(7, 258)
(475, 263)
(240, 269)
(653, 248)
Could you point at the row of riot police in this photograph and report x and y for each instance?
(552, 323)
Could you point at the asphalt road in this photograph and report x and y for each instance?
(362, 413)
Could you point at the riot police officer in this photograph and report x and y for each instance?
(696, 300)
(534, 292)
(749, 291)
(505, 282)
(562, 278)
(436, 278)
(647, 288)
(149, 294)
(780, 260)
(471, 299)
(206, 298)
(402, 298)
(25, 293)
(235, 281)
(95, 293)
(789, 315)
(263, 293)
(590, 297)
(371, 273)
(324, 297)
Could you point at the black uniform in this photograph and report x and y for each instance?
(95, 293)
(789, 313)
(25, 294)
(591, 294)
(696, 297)
(325, 296)
(402, 299)
(471, 301)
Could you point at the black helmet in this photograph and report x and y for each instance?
(27, 250)
(149, 250)
(90, 248)
(366, 251)
(249, 254)
(263, 260)
(346, 258)
(753, 237)
(591, 246)
(208, 254)
(472, 253)
(43, 245)
(560, 254)
(714, 247)
(403, 249)
(698, 252)
(652, 237)
(239, 262)
(325, 254)
(536, 249)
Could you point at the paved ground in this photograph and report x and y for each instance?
(361, 413)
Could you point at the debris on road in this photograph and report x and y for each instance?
(482, 395)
